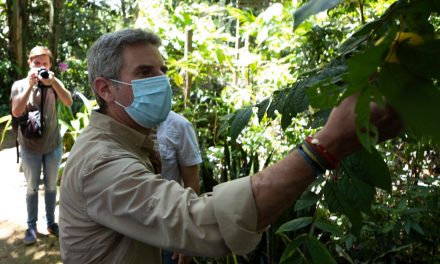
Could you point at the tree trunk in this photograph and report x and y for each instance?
(18, 21)
(188, 77)
(56, 7)
(15, 51)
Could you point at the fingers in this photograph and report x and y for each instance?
(339, 133)
(387, 122)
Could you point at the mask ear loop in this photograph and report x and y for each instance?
(119, 82)
(116, 81)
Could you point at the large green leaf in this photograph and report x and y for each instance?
(291, 248)
(324, 96)
(349, 196)
(367, 132)
(324, 89)
(296, 102)
(363, 65)
(262, 108)
(277, 103)
(359, 37)
(295, 224)
(306, 200)
(422, 61)
(319, 118)
(239, 122)
(312, 7)
(327, 226)
(369, 167)
(415, 99)
(317, 251)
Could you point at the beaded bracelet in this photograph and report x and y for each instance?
(315, 166)
(317, 156)
(313, 155)
(331, 162)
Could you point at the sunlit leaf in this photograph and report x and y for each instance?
(311, 8)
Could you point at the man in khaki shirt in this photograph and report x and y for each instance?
(114, 208)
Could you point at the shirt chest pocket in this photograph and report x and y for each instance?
(167, 152)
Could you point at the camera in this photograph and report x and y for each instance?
(43, 73)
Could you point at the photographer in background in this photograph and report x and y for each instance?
(40, 89)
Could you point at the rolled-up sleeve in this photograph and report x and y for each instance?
(236, 213)
(161, 213)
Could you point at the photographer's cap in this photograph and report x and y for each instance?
(39, 50)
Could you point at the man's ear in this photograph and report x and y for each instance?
(103, 88)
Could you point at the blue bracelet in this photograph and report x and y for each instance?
(315, 166)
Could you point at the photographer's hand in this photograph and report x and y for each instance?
(58, 87)
(19, 101)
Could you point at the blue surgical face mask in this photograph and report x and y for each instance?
(151, 100)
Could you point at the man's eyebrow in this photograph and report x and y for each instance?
(144, 67)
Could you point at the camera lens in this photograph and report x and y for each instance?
(43, 73)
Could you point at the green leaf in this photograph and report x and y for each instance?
(359, 37)
(369, 167)
(416, 100)
(319, 118)
(277, 103)
(295, 103)
(262, 108)
(325, 88)
(367, 132)
(306, 200)
(239, 121)
(422, 61)
(291, 248)
(363, 65)
(324, 96)
(416, 227)
(312, 7)
(327, 226)
(317, 251)
(349, 196)
(295, 224)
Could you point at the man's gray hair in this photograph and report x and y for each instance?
(104, 58)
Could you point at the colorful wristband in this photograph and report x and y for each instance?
(329, 160)
(313, 164)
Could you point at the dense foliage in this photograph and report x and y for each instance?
(255, 80)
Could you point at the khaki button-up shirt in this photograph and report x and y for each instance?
(113, 209)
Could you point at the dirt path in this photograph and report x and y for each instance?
(13, 218)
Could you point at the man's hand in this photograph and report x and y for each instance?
(32, 77)
(49, 81)
(339, 133)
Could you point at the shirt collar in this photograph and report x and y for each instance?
(122, 133)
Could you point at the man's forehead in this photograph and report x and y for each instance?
(142, 56)
(40, 58)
